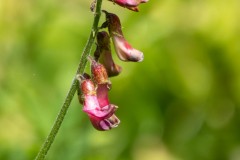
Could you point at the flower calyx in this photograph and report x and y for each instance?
(99, 73)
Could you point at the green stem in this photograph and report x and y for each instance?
(83, 61)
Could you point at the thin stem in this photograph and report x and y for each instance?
(82, 65)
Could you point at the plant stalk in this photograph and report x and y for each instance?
(81, 67)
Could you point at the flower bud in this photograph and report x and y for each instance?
(123, 49)
(105, 56)
(99, 72)
(87, 89)
(129, 4)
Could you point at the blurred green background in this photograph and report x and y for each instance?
(181, 103)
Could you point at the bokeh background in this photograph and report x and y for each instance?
(181, 103)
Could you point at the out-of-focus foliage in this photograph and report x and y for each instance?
(181, 103)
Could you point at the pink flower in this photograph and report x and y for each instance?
(95, 98)
(104, 56)
(102, 117)
(100, 77)
(123, 49)
(103, 100)
(129, 4)
(91, 105)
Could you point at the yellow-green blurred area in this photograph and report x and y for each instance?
(181, 103)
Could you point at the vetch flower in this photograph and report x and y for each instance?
(129, 4)
(101, 117)
(90, 101)
(104, 56)
(123, 49)
(98, 108)
(100, 77)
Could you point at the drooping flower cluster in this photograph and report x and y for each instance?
(93, 90)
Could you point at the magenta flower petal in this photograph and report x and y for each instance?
(123, 49)
(129, 4)
(98, 112)
(102, 95)
(91, 105)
